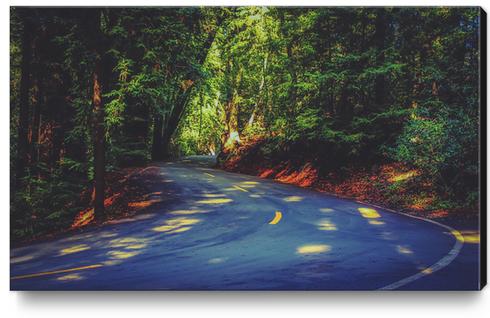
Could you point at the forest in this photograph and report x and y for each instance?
(381, 104)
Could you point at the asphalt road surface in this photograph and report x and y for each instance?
(227, 231)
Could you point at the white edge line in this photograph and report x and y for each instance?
(440, 264)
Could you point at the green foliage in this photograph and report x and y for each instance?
(424, 143)
(44, 205)
(348, 86)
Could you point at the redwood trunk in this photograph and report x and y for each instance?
(99, 78)
(99, 143)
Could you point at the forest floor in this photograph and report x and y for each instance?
(391, 185)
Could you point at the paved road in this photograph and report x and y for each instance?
(231, 231)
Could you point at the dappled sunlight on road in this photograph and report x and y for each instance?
(249, 182)
(369, 213)
(376, 222)
(125, 247)
(217, 260)
(74, 249)
(231, 189)
(213, 195)
(326, 210)
(240, 188)
(326, 225)
(293, 198)
(122, 254)
(215, 201)
(189, 212)
(70, 277)
(403, 249)
(388, 236)
(128, 243)
(107, 234)
(176, 225)
(21, 259)
(313, 249)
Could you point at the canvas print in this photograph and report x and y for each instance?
(246, 148)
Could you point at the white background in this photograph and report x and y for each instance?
(210, 304)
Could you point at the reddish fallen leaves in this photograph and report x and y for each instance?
(123, 197)
(392, 185)
(83, 218)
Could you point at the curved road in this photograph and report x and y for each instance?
(231, 231)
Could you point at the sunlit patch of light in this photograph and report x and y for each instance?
(70, 277)
(326, 225)
(293, 198)
(189, 212)
(74, 249)
(249, 183)
(326, 210)
(122, 254)
(247, 186)
(313, 249)
(403, 250)
(21, 259)
(176, 225)
(217, 260)
(112, 262)
(369, 213)
(403, 176)
(107, 234)
(213, 195)
(376, 222)
(215, 201)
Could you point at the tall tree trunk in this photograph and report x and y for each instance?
(23, 127)
(99, 81)
(99, 142)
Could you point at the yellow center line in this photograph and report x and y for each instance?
(276, 218)
(56, 272)
(208, 174)
(240, 188)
